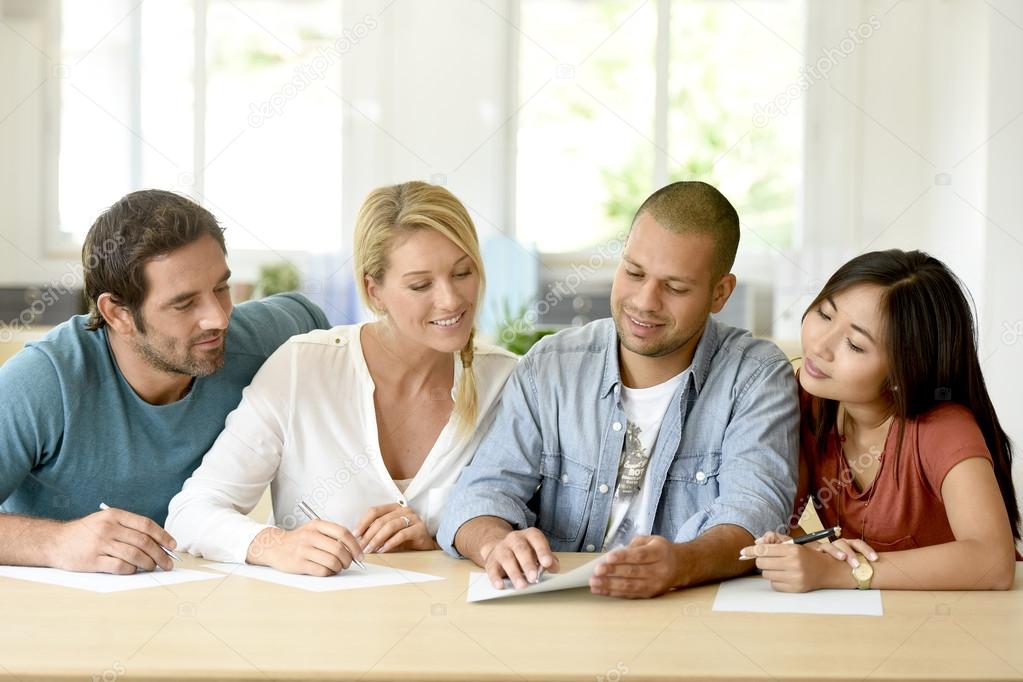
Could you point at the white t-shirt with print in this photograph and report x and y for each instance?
(644, 410)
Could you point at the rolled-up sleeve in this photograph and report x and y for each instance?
(504, 473)
(759, 455)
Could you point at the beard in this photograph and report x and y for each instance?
(666, 344)
(166, 355)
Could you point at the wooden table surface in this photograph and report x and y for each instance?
(242, 629)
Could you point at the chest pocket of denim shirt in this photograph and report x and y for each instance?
(691, 485)
(564, 491)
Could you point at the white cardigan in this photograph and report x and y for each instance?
(307, 427)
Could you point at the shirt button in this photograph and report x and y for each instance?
(402, 503)
(603, 488)
(700, 476)
(617, 426)
(590, 548)
(564, 478)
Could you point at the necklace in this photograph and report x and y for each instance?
(875, 453)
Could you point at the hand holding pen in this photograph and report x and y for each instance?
(319, 548)
(110, 541)
(750, 553)
(313, 516)
(104, 507)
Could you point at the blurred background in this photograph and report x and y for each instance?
(834, 127)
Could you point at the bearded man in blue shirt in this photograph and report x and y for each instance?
(661, 436)
(119, 406)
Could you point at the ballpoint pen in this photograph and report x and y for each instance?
(104, 506)
(828, 533)
(313, 516)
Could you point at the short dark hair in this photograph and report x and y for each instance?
(139, 227)
(691, 206)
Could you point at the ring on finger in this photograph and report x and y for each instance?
(406, 520)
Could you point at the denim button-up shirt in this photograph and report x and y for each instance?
(726, 452)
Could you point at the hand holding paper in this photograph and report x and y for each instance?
(521, 556)
(481, 588)
(645, 568)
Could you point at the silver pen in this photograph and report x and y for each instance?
(104, 506)
(313, 516)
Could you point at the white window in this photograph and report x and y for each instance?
(234, 102)
(620, 98)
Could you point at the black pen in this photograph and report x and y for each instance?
(827, 533)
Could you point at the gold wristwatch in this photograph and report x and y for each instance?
(863, 573)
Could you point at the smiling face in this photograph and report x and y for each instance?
(664, 289)
(844, 357)
(186, 310)
(429, 291)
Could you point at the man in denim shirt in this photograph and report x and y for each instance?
(660, 434)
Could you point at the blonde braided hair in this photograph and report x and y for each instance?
(392, 212)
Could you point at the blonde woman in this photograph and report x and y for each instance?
(367, 424)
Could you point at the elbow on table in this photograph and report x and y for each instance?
(1002, 575)
(1006, 578)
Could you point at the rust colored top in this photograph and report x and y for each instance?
(902, 509)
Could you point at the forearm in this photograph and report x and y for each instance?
(958, 565)
(27, 541)
(712, 556)
(476, 537)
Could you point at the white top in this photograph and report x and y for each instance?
(644, 408)
(307, 427)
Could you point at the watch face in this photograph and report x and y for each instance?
(863, 572)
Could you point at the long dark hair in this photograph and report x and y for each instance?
(931, 342)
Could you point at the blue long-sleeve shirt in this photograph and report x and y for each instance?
(73, 433)
(726, 452)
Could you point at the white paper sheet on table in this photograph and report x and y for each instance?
(480, 588)
(754, 594)
(350, 579)
(105, 582)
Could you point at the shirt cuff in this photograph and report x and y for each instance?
(482, 503)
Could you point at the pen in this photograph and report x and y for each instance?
(313, 516)
(104, 506)
(828, 533)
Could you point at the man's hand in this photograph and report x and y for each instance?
(519, 556)
(646, 568)
(111, 541)
(319, 548)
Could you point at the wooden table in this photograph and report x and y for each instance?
(241, 629)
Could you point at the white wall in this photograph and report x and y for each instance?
(1002, 314)
(432, 101)
(25, 89)
(916, 141)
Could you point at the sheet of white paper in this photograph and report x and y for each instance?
(754, 594)
(105, 582)
(350, 579)
(480, 588)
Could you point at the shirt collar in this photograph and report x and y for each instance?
(706, 349)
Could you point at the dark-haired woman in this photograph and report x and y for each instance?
(900, 444)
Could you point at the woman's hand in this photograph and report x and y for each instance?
(802, 568)
(319, 548)
(845, 550)
(392, 527)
